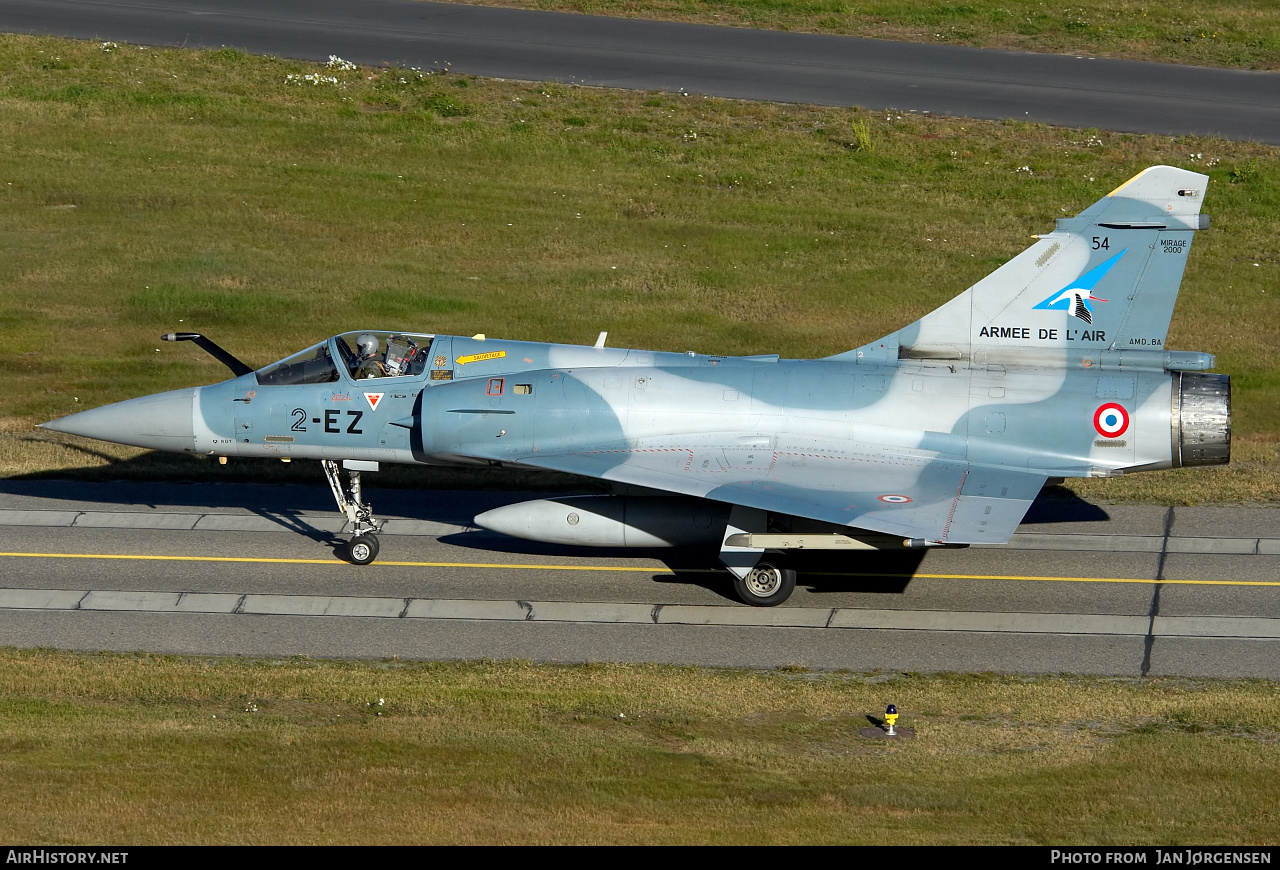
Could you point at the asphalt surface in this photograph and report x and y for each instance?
(695, 59)
(249, 570)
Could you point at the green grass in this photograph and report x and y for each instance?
(114, 749)
(1227, 33)
(143, 191)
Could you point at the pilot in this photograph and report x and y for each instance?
(369, 363)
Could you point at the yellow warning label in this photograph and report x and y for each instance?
(479, 357)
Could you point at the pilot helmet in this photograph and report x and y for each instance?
(367, 344)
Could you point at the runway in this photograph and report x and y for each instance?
(741, 63)
(247, 570)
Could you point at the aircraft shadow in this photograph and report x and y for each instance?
(689, 566)
(287, 497)
(281, 495)
(827, 571)
(1057, 504)
(819, 570)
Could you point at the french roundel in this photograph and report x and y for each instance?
(894, 499)
(1111, 420)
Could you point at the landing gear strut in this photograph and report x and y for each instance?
(363, 546)
(760, 578)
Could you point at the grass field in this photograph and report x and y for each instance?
(1229, 33)
(110, 749)
(147, 190)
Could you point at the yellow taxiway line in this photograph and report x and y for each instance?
(622, 568)
(384, 563)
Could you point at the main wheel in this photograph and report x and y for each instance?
(766, 585)
(362, 549)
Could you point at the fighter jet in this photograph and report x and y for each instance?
(938, 435)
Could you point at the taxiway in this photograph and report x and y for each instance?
(247, 570)
(1126, 96)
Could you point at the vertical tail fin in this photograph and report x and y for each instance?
(1106, 279)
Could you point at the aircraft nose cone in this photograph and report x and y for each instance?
(160, 422)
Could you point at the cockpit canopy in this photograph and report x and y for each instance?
(383, 354)
(357, 355)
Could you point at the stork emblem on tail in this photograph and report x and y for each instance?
(1077, 297)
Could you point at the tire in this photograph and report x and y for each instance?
(362, 549)
(766, 585)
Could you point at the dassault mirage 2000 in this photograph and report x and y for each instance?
(940, 434)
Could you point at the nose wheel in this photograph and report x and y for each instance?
(362, 549)
(363, 546)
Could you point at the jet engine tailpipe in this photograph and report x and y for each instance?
(1201, 419)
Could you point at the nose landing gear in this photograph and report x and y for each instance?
(363, 546)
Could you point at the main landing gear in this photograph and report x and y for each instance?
(766, 584)
(363, 546)
(761, 577)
